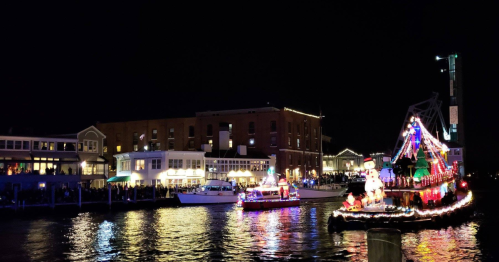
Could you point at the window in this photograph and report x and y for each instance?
(290, 160)
(118, 149)
(125, 165)
(191, 144)
(230, 143)
(230, 129)
(175, 163)
(2, 144)
(307, 144)
(209, 130)
(298, 143)
(10, 144)
(273, 126)
(135, 147)
(191, 131)
(25, 145)
(156, 182)
(251, 128)
(139, 164)
(306, 130)
(210, 142)
(157, 146)
(171, 133)
(171, 145)
(139, 182)
(104, 145)
(251, 142)
(154, 134)
(135, 140)
(273, 141)
(156, 164)
(17, 144)
(289, 141)
(60, 146)
(90, 146)
(298, 130)
(193, 164)
(457, 152)
(289, 127)
(315, 146)
(51, 146)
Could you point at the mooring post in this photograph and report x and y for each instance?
(53, 197)
(135, 194)
(384, 245)
(109, 194)
(15, 198)
(153, 193)
(125, 198)
(79, 195)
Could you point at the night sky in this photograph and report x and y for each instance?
(67, 65)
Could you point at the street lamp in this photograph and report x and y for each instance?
(83, 165)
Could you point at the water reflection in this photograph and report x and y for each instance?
(446, 244)
(220, 232)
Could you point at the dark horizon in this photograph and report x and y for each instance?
(68, 66)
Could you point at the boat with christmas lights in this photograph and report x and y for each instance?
(431, 196)
(269, 195)
(214, 191)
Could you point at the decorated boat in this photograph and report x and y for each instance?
(270, 194)
(433, 195)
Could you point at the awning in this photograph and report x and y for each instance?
(119, 179)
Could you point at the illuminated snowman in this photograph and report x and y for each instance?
(372, 177)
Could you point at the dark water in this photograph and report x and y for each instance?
(225, 233)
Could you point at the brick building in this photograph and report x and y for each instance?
(293, 137)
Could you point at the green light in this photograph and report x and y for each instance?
(455, 56)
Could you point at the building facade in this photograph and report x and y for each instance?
(346, 162)
(292, 137)
(192, 168)
(62, 160)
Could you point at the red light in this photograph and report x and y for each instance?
(463, 184)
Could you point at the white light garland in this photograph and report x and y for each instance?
(443, 210)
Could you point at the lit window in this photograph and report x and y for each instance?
(118, 149)
(51, 146)
(251, 141)
(139, 164)
(298, 143)
(230, 143)
(210, 142)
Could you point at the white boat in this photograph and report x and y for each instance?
(323, 192)
(213, 192)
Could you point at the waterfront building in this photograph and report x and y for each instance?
(191, 168)
(346, 162)
(292, 137)
(62, 160)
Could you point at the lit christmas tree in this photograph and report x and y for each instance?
(421, 166)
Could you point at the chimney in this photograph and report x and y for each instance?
(206, 148)
(241, 150)
(224, 136)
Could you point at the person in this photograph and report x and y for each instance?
(281, 190)
(451, 197)
(418, 201)
(70, 171)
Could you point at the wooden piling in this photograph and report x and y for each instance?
(384, 245)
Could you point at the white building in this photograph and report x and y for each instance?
(169, 168)
(188, 168)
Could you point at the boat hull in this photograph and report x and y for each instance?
(206, 199)
(306, 193)
(266, 204)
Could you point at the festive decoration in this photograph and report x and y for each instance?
(351, 204)
(421, 167)
(372, 177)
